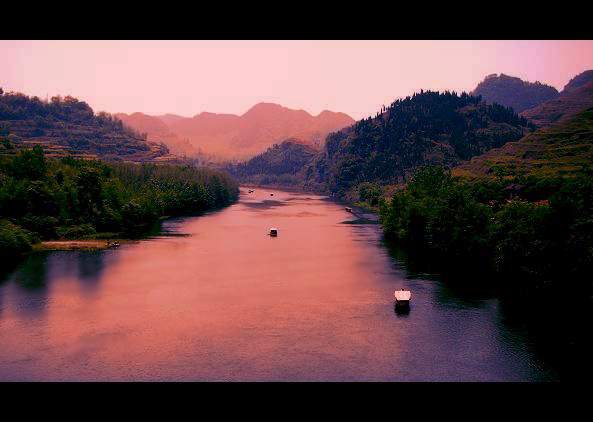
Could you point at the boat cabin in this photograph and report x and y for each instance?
(402, 297)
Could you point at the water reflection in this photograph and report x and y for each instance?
(91, 266)
(560, 336)
(28, 288)
(32, 274)
(263, 205)
(401, 311)
(467, 287)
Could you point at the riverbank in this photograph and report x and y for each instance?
(81, 244)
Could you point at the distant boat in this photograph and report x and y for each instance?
(251, 191)
(274, 232)
(271, 194)
(402, 298)
(348, 209)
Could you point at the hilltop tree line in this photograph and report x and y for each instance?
(426, 128)
(58, 111)
(71, 198)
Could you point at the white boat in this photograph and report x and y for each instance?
(348, 209)
(402, 297)
(273, 231)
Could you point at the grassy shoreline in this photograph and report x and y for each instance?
(80, 244)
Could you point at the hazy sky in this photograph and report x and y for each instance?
(356, 77)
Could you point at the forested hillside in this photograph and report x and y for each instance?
(281, 164)
(67, 126)
(426, 128)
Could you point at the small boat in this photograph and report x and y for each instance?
(348, 209)
(250, 190)
(402, 298)
(273, 232)
(271, 194)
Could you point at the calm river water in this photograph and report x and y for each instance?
(221, 300)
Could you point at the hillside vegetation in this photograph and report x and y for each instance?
(562, 149)
(70, 198)
(533, 231)
(426, 128)
(67, 126)
(282, 164)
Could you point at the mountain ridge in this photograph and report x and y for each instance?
(241, 136)
(514, 92)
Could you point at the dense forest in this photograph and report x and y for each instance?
(426, 128)
(70, 198)
(66, 125)
(281, 164)
(513, 92)
(536, 230)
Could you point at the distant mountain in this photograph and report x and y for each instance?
(427, 128)
(170, 118)
(561, 149)
(155, 129)
(513, 92)
(578, 81)
(144, 123)
(281, 164)
(576, 96)
(67, 126)
(233, 136)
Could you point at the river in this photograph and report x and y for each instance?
(218, 299)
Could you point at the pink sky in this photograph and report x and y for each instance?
(355, 77)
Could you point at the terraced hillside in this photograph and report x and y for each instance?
(573, 99)
(67, 126)
(561, 149)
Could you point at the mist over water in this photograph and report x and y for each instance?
(228, 302)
